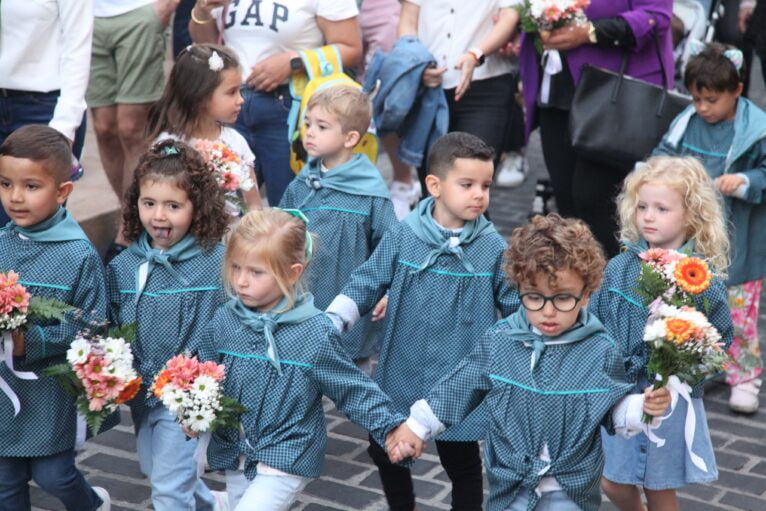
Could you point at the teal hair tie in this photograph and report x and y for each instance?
(169, 150)
(297, 213)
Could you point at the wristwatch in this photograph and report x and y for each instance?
(592, 33)
(477, 54)
(296, 63)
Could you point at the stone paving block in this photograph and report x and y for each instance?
(743, 501)
(114, 465)
(760, 468)
(117, 439)
(214, 484)
(749, 448)
(701, 491)
(354, 497)
(318, 507)
(696, 505)
(336, 447)
(341, 470)
(730, 461)
(747, 483)
(737, 428)
(350, 429)
(123, 490)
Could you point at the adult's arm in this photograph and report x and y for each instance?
(203, 27)
(408, 26)
(76, 45)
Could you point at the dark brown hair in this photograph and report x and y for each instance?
(181, 165)
(187, 93)
(550, 243)
(712, 70)
(44, 145)
(450, 147)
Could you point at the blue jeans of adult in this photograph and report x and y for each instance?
(56, 474)
(18, 110)
(166, 457)
(263, 123)
(181, 37)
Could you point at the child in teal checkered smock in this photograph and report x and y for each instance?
(281, 354)
(665, 203)
(346, 201)
(550, 376)
(168, 282)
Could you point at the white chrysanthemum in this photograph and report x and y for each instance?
(654, 330)
(175, 400)
(204, 388)
(12, 321)
(201, 420)
(78, 351)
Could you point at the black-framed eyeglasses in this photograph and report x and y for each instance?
(562, 302)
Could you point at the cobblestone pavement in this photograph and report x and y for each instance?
(350, 482)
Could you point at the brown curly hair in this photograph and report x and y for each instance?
(549, 244)
(178, 163)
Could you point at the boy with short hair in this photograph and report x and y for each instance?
(346, 201)
(442, 269)
(54, 259)
(550, 377)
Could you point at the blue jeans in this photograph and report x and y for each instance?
(56, 474)
(166, 457)
(264, 493)
(549, 501)
(263, 123)
(34, 108)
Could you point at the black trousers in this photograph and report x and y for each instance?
(482, 111)
(461, 461)
(583, 188)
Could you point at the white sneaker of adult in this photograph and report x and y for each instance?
(744, 396)
(221, 500)
(512, 170)
(104, 496)
(404, 196)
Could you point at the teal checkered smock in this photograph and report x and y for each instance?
(170, 316)
(561, 403)
(434, 317)
(70, 271)
(284, 426)
(348, 228)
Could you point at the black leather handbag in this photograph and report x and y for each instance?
(619, 120)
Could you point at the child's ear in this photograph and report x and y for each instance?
(296, 271)
(584, 300)
(433, 184)
(352, 138)
(740, 89)
(64, 189)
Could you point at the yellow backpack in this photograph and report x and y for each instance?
(324, 69)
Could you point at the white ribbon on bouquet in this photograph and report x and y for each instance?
(551, 65)
(7, 357)
(678, 388)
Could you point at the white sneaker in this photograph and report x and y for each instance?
(404, 196)
(104, 496)
(221, 500)
(744, 396)
(512, 170)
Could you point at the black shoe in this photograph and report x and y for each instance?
(113, 251)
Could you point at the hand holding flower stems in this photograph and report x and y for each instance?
(656, 402)
(402, 443)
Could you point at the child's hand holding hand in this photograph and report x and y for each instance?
(656, 402)
(19, 343)
(380, 309)
(403, 435)
(728, 183)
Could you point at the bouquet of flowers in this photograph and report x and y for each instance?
(232, 174)
(543, 16)
(18, 306)
(99, 373)
(193, 392)
(672, 277)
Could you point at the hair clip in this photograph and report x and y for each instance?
(215, 62)
(695, 46)
(736, 58)
(169, 150)
(297, 213)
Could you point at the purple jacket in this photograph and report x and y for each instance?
(642, 62)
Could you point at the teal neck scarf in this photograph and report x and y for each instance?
(586, 326)
(60, 227)
(358, 176)
(185, 249)
(424, 226)
(266, 323)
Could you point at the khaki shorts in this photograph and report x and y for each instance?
(127, 60)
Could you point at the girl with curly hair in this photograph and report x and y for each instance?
(669, 203)
(168, 282)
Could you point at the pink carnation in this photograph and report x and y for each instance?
(212, 369)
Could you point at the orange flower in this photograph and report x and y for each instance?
(678, 330)
(692, 275)
(160, 381)
(130, 391)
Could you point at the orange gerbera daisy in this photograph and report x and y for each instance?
(692, 275)
(678, 330)
(130, 391)
(160, 381)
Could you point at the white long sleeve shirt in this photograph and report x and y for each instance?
(45, 45)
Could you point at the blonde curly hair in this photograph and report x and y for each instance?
(703, 205)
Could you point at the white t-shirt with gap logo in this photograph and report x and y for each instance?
(256, 30)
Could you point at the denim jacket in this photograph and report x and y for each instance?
(402, 103)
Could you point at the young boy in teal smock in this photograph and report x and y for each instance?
(442, 269)
(52, 255)
(550, 376)
(346, 201)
